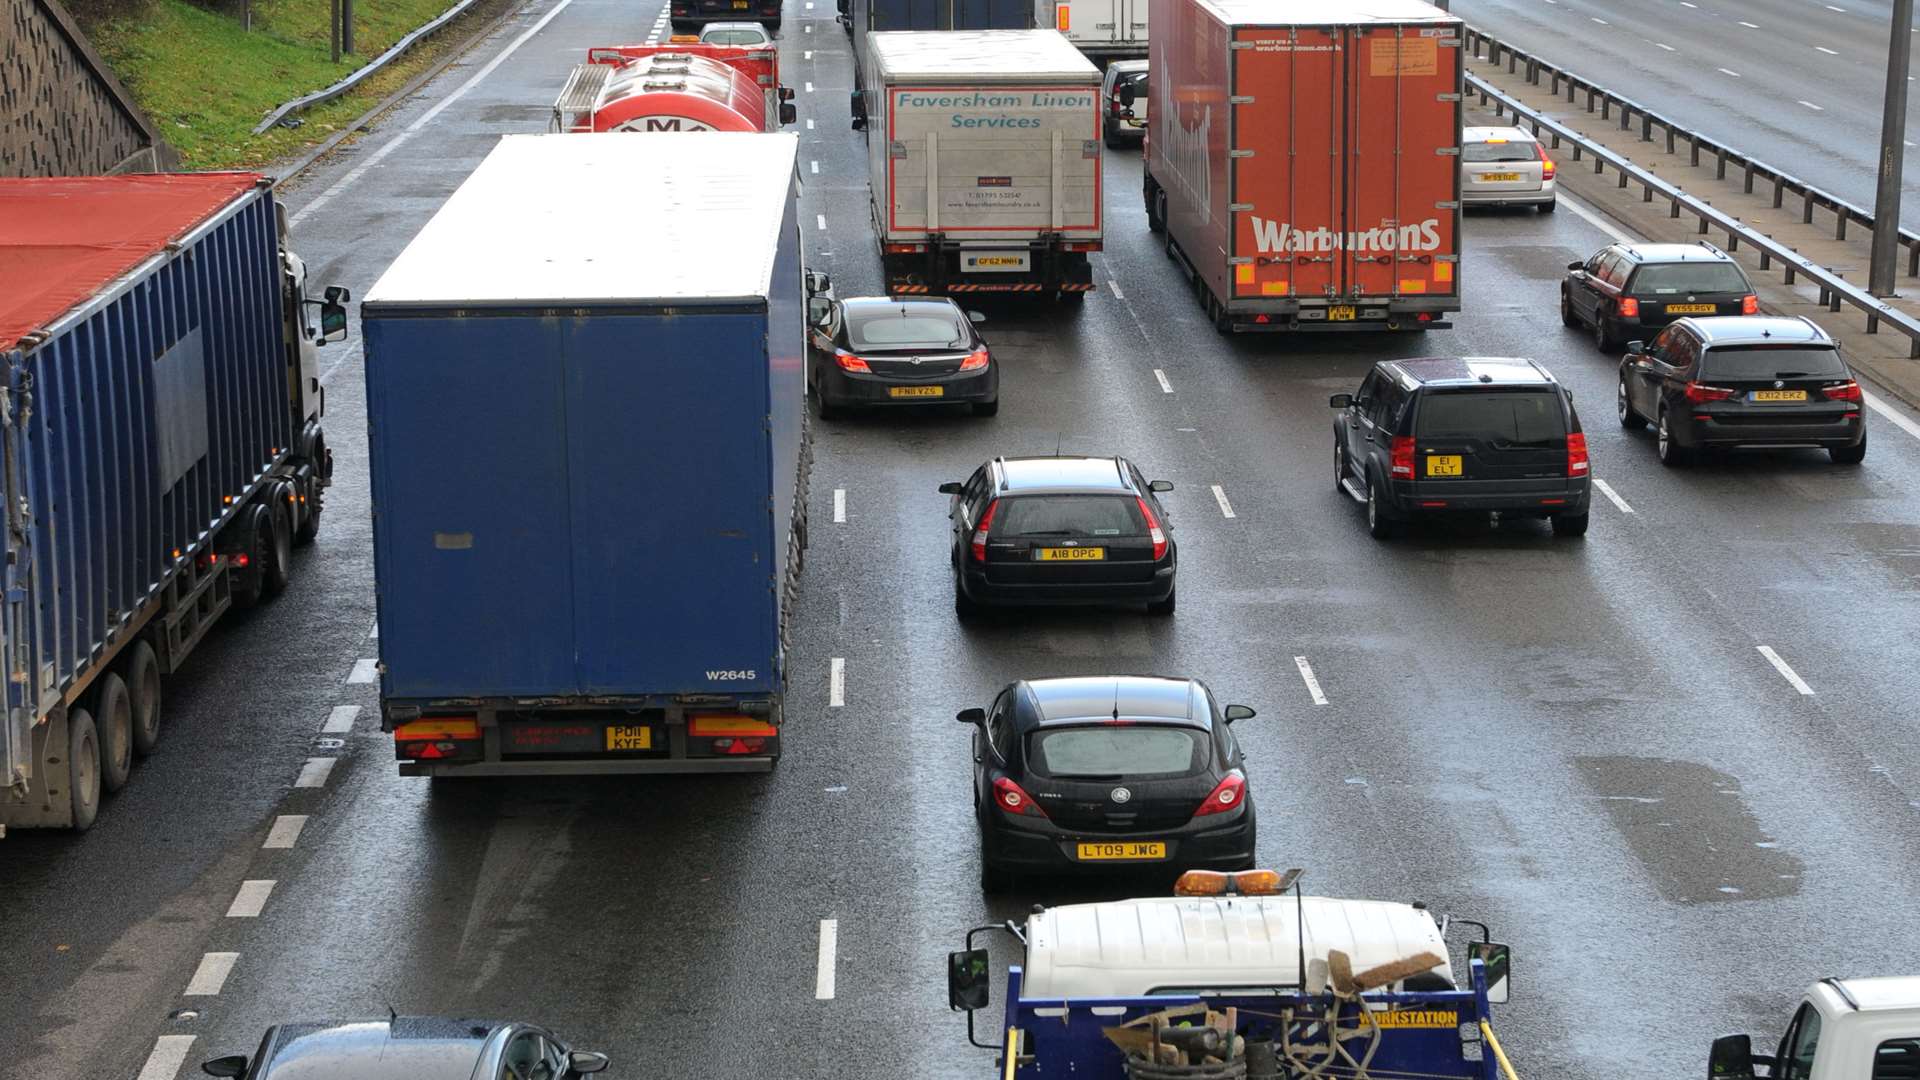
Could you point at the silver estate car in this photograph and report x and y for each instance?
(1504, 166)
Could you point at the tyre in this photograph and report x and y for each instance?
(1379, 523)
(1665, 446)
(1108, 136)
(310, 518)
(1156, 213)
(1630, 418)
(1569, 524)
(993, 880)
(247, 580)
(987, 408)
(1071, 298)
(113, 726)
(964, 606)
(1567, 317)
(827, 412)
(83, 768)
(1165, 607)
(142, 672)
(1849, 455)
(1548, 206)
(278, 571)
(1602, 340)
(1339, 468)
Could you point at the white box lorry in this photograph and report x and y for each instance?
(983, 150)
(1103, 29)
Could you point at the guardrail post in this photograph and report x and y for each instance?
(1720, 166)
(1646, 127)
(1806, 214)
(1533, 72)
(1646, 192)
(1790, 273)
(1779, 191)
(1703, 225)
(1693, 149)
(1606, 106)
(1590, 93)
(1913, 260)
(1839, 224)
(1673, 210)
(1766, 260)
(1669, 140)
(1873, 324)
(1749, 176)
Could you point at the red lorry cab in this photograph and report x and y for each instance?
(675, 87)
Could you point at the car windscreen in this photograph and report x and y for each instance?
(733, 37)
(1500, 151)
(1703, 277)
(1770, 362)
(890, 328)
(1114, 750)
(1069, 515)
(1518, 417)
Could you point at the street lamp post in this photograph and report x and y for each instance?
(1893, 129)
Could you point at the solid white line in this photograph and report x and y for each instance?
(1812, 106)
(829, 944)
(340, 720)
(1824, 49)
(821, 219)
(839, 506)
(1165, 386)
(1313, 684)
(1664, 45)
(1893, 416)
(285, 832)
(169, 1054)
(1219, 496)
(814, 167)
(315, 772)
(1724, 71)
(212, 974)
(364, 670)
(1786, 672)
(837, 683)
(1607, 490)
(250, 900)
(1592, 218)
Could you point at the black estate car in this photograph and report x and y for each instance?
(1447, 435)
(1060, 530)
(1108, 772)
(872, 350)
(1629, 291)
(1725, 383)
(410, 1048)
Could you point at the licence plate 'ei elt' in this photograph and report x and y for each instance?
(1443, 465)
(1130, 850)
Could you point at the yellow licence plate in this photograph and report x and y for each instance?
(1340, 313)
(1443, 465)
(1691, 309)
(1074, 554)
(1109, 852)
(1498, 177)
(739, 5)
(629, 737)
(1779, 395)
(916, 391)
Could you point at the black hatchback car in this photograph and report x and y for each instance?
(1451, 435)
(1729, 383)
(1629, 291)
(872, 350)
(410, 1048)
(1111, 772)
(1060, 530)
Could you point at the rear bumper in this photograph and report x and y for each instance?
(1199, 844)
(839, 387)
(590, 767)
(1709, 434)
(1487, 496)
(935, 270)
(1507, 198)
(981, 591)
(1371, 315)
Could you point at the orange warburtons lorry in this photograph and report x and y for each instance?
(1303, 160)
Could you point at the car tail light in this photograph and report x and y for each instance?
(1400, 457)
(1629, 308)
(980, 532)
(1010, 798)
(1228, 795)
(1546, 163)
(975, 360)
(1577, 454)
(1153, 530)
(850, 362)
(1846, 391)
(1749, 305)
(1700, 394)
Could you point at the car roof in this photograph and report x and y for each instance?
(1674, 253)
(404, 1048)
(1471, 371)
(1105, 697)
(1061, 475)
(712, 26)
(1880, 992)
(1482, 134)
(931, 305)
(1756, 329)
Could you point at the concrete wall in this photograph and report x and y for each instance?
(62, 113)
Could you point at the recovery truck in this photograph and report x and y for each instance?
(162, 452)
(675, 87)
(983, 154)
(585, 399)
(1305, 167)
(1231, 977)
(1844, 1029)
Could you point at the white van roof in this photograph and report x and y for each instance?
(1126, 948)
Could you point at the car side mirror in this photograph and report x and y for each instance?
(1576, 266)
(1340, 401)
(976, 317)
(236, 1065)
(1496, 957)
(969, 978)
(1128, 95)
(1635, 348)
(952, 487)
(971, 716)
(788, 114)
(1159, 485)
(585, 1063)
(1239, 712)
(1731, 1058)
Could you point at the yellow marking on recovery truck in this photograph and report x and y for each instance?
(1416, 1018)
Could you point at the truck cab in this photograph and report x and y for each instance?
(1845, 1029)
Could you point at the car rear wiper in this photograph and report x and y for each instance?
(1509, 444)
(1046, 532)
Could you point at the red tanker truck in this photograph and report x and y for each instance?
(675, 87)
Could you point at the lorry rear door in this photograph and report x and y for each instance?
(1133, 16)
(1008, 162)
(1287, 178)
(1404, 86)
(1088, 22)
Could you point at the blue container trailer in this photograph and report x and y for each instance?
(862, 17)
(160, 451)
(586, 410)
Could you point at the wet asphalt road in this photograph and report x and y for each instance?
(1580, 743)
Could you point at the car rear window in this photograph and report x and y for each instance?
(1770, 362)
(1500, 151)
(1069, 515)
(1116, 750)
(733, 37)
(1517, 416)
(889, 329)
(1702, 277)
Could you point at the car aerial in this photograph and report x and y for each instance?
(735, 33)
(1626, 292)
(410, 1048)
(1124, 92)
(1505, 166)
(1726, 383)
(875, 350)
(1108, 772)
(1450, 435)
(1060, 530)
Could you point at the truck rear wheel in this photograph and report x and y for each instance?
(310, 510)
(113, 726)
(246, 580)
(143, 688)
(83, 769)
(278, 570)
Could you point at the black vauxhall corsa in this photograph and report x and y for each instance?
(1108, 772)
(876, 351)
(410, 1048)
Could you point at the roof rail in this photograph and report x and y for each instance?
(1000, 461)
(1711, 246)
(1841, 989)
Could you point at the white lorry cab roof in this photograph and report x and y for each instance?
(1127, 948)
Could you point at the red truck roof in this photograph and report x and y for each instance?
(62, 239)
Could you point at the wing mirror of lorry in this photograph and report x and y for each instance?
(818, 282)
(971, 716)
(1576, 266)
(857, 102)
(1239, 712)
(952, 487)
(1496, 957)
(786, 93)
(1340, 401)
(819, 310)
(585, 1062)
(969, 977)
(1159, 485)
(1635, 348)
(236, 1065)
(333, 322)
(788, 114)
(1127, 95)
(1731, 1058)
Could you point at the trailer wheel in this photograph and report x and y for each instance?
(113, 726)
(246, 581)
(83, 768)
(143, 688)
(310, 513)
(278, 570)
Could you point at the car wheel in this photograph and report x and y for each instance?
(1670, 451)
(83, 768)
(1567, 317)
(987, 408)
(1379, 525)
(827, 411)
(1602, 340)
(1547, 207)
(994, 881)
(1623, 404)
(1339, 467)
(1164, 607)
(1570, 524)
(1849, 455)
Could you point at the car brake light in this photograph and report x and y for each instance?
(1749, 305)
(1400, 457)
(1629, 308)
(1010, 798)
(1700, 394)
(980, 532)
(975, 360)
(1846, 391)
(850, 362)
(1577, 454)
(1153, 530)
(1226, 796)
(1546, 163)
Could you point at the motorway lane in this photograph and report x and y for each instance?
(1799, 88)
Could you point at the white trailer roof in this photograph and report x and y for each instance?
(1130, 947)
(604, 218)
(1325, 12)
(965, 56)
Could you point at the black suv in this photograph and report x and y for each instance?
(1724, 383)
(1060, 530)
(1628, 291)
(1445, 435)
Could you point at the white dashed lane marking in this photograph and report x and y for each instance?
(1219, 496)
(1725, 71)
(837, 683)
(1786, 672)
(829, 945)
(821, 220)
(251, 900)
(1614, 497)
(285, 832)
(340, 720)
(1161, 376)
(315, 772)
(169, 1054)
(212, 974)
(364, 671)
(1812, 106)
(1307, 676)
(839, 506)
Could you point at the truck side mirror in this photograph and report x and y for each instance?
(333, 322)
(788, 113)
(969, 977)
(1731, 1058)
(818, 282)
(1635, 348)
(1239, 712)
(1496, 957)
(1127, 95)
(819, 310)
(952, 487)
(336, 294)
(236, 1065)
(1576, 266)
(970, 716)
(786, 93)
(857, 103)
(1340, 401)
